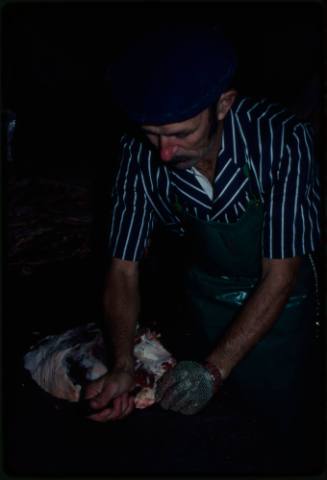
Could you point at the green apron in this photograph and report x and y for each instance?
(224, 266)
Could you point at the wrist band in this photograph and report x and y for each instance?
(215, 373)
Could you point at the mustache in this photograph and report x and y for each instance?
(180, 159)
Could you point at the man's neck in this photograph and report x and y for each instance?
(207, 166)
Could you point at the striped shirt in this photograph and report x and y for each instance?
(277, 148)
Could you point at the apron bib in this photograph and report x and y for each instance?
(224, 267)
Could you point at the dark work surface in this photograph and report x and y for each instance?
(149, 441)
(44, 436)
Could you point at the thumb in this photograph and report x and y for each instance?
(93, 388)
(162, 386)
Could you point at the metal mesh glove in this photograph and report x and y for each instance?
(187, 388)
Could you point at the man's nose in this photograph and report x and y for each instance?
(167, 151)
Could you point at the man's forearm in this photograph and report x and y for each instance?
(121, 306)
(257, 316)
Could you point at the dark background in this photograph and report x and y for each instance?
(54, 58)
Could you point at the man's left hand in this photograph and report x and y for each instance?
(186, 388)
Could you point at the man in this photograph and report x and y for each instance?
(235, 178)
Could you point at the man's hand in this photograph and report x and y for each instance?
(258, 314)
(186, 388)
(113, 387)
(121, 307)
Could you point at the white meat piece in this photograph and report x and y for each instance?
(145, 398)
(61, 364)
(50, 360)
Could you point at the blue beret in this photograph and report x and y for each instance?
(172, 74)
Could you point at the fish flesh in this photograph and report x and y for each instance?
(63, 364)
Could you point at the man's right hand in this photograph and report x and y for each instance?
(114, 388)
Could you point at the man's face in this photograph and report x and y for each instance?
(184, 144)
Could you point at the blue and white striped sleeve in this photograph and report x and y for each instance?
(291, 225)
(132, 217)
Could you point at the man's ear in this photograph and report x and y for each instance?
(225, 102)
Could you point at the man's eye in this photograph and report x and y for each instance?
(182, 135)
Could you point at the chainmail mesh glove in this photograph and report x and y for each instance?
(187, 388)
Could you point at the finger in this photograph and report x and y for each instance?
(163, 385)
(124, 403)
(127, 405)
(116, 412)
(173, 396)
(176, 401)
(131, 406)
(102, 416)
(105, 396)
(116, 409)
(191, 408)
(112, 414)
